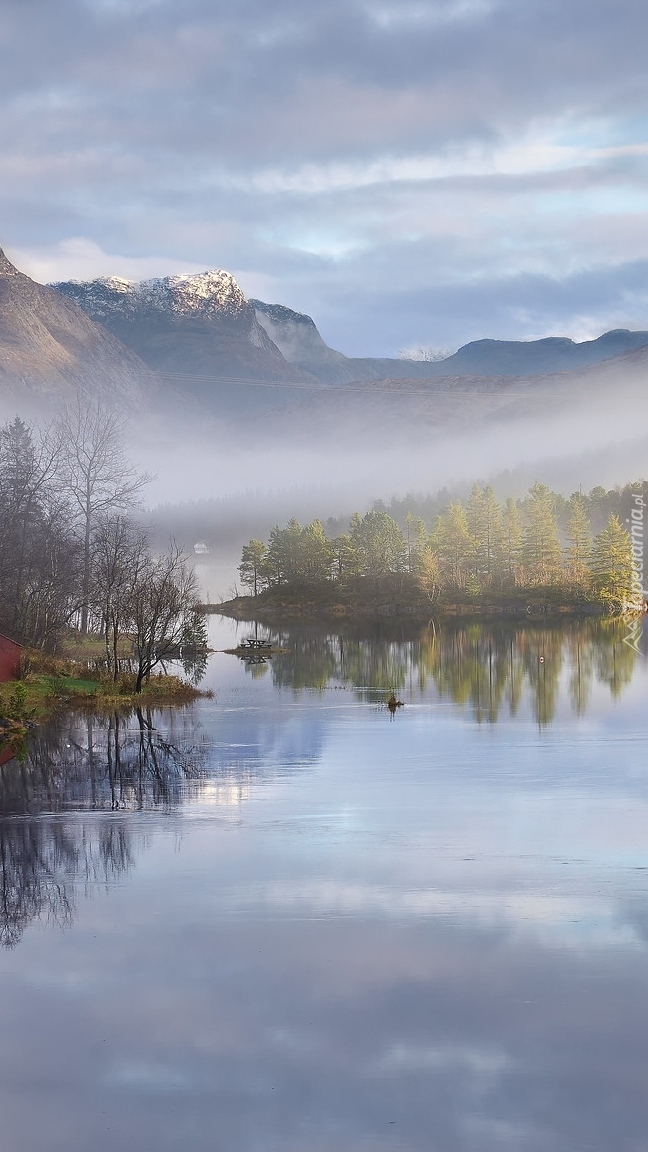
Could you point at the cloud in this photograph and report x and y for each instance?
(444, 145)
(81, 259)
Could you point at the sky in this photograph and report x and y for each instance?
(412, 175)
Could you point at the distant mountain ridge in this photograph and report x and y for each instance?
(532, 357)
(203, 325)
(297, 337)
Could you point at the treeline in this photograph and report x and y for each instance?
(72, 556)
(474, 549)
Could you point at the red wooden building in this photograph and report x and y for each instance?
(9, 659)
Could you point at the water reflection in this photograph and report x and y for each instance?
(357, 935)
(489, 667)
(40, 860)
(109, 766)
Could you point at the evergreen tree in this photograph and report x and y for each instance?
(492, 534)
(484, 517)
(316, 554)
(541, 547)
(612, 565)
(511, 548)
(579, 535)
(284, 553)
(344, 556)
(253, 566)
(378, 543)
(417, 543)
(453, 545)
(475, 512)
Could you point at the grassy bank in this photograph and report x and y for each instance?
(53, 684)
(38, 697)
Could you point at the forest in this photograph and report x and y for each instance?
(585, 548)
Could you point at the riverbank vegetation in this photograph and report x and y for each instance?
(539, 553)
(74, 562)
(52, 685)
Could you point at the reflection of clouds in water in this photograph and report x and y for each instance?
(434, 1036)
(271, 740)
(146, 1077)
(406, 1058)
(576, 920)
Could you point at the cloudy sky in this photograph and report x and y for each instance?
(413, 173)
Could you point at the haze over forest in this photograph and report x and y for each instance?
(318, 257)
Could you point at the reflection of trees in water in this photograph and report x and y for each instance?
(98, 765)
(486, 666)
(41, 860)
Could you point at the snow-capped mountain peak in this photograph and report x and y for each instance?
(214, 292)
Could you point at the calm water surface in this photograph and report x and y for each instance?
(283, 920)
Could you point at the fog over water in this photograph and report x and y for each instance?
(341, 460)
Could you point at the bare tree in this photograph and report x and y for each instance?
(166, 614)
(120, 558)
(95, 473)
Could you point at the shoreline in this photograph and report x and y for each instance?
(301, 609)
(38, 698)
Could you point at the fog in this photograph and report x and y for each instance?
(226, 482)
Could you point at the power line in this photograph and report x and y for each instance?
(367, 389)
(334, 389)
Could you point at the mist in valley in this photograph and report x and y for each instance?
(224, 483)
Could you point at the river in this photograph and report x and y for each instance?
(286, 919)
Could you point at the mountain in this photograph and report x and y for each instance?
(531, 357)
(202, 334)
(198, 332)
(611, 396)
(296, 335)
(50, 349)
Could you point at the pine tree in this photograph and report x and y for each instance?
(493, 533)
(612, 565)
(453, 544)
(316, 553)
(579, 535)
(484, 517)
(283, 559)
(379, 544)
(417, 542)
(252, 568)
(511, 549)
(475, 515)
(541, 547)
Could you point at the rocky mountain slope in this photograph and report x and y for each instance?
(297, 337)
(50, 349)
(198, 332)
